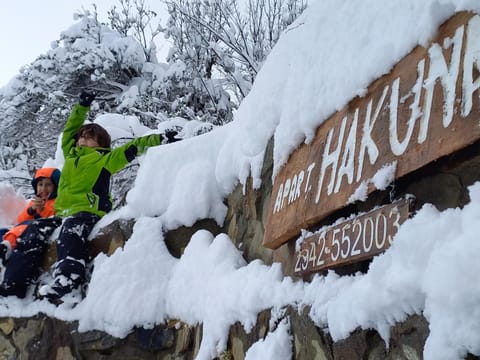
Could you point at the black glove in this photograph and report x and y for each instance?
(169, 136)
(86, 98)
(5, 251)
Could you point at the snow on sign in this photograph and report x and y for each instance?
(428, 106)
(353, 240)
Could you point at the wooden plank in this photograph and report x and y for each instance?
(354, 240)
(428, 106)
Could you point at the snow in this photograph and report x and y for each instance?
(12, 204)
(328, 56)
(275, 346)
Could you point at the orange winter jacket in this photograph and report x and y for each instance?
(24, 218)
(27, 215)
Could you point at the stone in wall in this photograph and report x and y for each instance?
(247, 211)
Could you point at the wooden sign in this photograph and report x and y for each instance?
(358, 239)
(428, 106)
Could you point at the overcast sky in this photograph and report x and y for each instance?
(28, 27)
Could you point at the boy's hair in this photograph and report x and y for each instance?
(96, 132)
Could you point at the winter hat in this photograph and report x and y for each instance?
(50, 173)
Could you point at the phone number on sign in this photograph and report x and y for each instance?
(353, 240)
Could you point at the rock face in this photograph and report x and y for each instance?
(443, 183)
(45, 338)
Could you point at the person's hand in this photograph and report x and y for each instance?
(86, 98)
(169, 136)
(37, 203)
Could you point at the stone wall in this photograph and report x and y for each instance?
(443, 183)
(43, 338)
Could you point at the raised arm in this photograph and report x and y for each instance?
(124, 154)
(75, 121)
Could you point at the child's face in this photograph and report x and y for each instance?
(88, 141)
(45, 187)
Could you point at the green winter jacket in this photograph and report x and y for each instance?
(85, 180)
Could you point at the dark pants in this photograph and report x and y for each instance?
(23, 266)
(72, 248)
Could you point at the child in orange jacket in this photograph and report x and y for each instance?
(45, 184)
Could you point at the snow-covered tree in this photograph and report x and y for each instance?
(220, 47)
(34, 106)
(88, 55)
(136, 19)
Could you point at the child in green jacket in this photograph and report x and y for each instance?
(84, 191)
